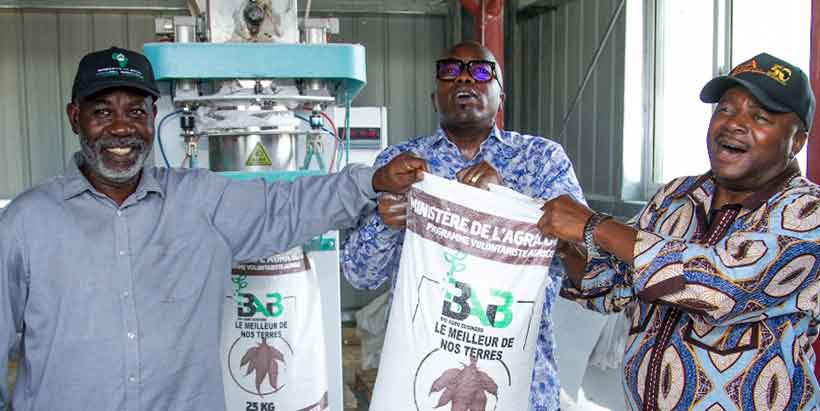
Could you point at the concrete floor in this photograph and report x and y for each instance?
(358, 383)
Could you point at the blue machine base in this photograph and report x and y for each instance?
(270, 175)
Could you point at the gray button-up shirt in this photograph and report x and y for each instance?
(120, 307)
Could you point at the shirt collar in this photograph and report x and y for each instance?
(495, 135)
(76, 183)
(757, 198)
(771, 188)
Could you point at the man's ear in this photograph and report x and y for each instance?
(799, 141)
(433, 100)
(501, 98)
(72, 110)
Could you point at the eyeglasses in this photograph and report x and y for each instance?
(481, 71)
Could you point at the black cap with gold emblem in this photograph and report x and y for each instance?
(115, 67)
(778, 85)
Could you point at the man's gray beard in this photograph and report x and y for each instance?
(92, 155)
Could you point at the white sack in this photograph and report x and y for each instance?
(468, 302)
(273, 345)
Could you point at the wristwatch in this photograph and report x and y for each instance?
(589, 229)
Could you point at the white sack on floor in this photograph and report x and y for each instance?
(273, 345)
(371, 324)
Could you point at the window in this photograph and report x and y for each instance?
(672, 49)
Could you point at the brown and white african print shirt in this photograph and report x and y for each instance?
(723, 303)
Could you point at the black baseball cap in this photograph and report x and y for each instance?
(778, 85)
(115, 67)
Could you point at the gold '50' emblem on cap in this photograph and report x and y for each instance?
(780, 74)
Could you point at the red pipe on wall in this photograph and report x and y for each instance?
(489, 31)
(813, 146)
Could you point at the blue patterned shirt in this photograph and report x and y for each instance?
(722, 303)
(528, 164)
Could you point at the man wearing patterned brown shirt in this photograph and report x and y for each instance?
(719, 272)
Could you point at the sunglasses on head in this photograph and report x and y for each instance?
(481, 71)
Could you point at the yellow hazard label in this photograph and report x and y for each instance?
(258, 157)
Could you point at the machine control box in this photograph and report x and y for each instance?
(362, 134)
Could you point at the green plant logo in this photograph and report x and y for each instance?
(454, 260)
(239, 282)
(120, 59)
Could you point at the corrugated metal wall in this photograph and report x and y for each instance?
(401, 50)
(40, 49)
(551, 55)
(39, 52)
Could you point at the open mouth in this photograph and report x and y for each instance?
(120, 151)
(464, 96)
(730, 149)
(731, 146)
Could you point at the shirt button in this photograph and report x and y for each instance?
(132, 379)
(125, 293)
(119, 213)
(122, 252)
(131, 336)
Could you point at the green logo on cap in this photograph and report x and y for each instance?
(120, 58)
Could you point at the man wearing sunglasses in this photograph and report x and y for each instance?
(468, 147)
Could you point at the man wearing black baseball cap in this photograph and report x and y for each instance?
(104, 80)
(718, 274)
(116, 274)
(115, 67)
(779, 86)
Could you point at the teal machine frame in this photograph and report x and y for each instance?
(342, 68)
